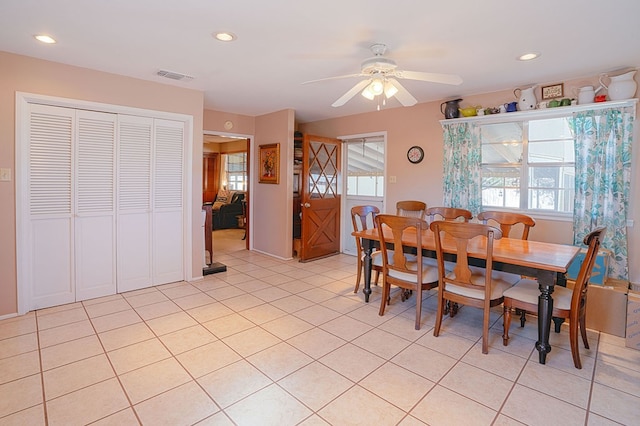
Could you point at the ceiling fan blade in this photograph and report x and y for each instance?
(332, 78)
(403, 96)
(350, 94)
(430, 76)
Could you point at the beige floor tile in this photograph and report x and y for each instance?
(186, 404)
(226, 292)
(503, 420)
(381, 343)
(115, 320)
(66, 353)
(404, 326)
(617, 377)
(147, 298)
(154, 379)
(411, 421)
(596, 420)
(317, 295)
(343, 304)
(170, 323)
(65, 333)
(237, 278)
(316, 342)
(33, 416)
(615, 405)
(233, 382)
(209, 312)
(437, 366)
(559, 384)
(477, 385)
(358, 406)
(57, 319)
(242, 302)
(315, 385)
(352, 362)
(253, 285)
(448, 344)
(137, 355)
(619, 355)
(218, 419)
(20, 394)
(208, 358)
(313, 420)
(19, 366)
(291, 284)
(270, 294)
(228, 325)
(496, 361)
(106, 308)
(156, 310)
(442, 406)
(287, 327)
(209, 283)
(175, 290)
(17, 345)
(397, 385)
(561, 359)
(535, 408)
(262, 313)
(346, 327)
(125, 336)
(279, 360)
(102, 299)
(316, 314)
(292, 303)
(87, 405)
(369, 314)
(58, 308)
(77, 375)
(250, 341)
(187, 339)
(120, 418)
(194, 300)
(269, 406)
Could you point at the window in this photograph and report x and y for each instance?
(528, 165)
(365, 168)
(234, 173)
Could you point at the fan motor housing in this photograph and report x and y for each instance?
(378, 64)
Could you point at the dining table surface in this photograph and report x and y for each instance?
(547, 262)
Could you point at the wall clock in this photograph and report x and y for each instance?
(415, 154)
(228, 125)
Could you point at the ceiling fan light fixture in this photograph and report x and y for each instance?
(367, 93)
(389, 89)
(376, 86)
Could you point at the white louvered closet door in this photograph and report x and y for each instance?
(168, 202)
(95, 224)
(49, 207)
(135, 136)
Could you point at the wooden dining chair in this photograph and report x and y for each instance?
(467, 285)
(507, 220)
(411, 208)
(407, 271)
(361, 218)
(567, 303)
(448, 213)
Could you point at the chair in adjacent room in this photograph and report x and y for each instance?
(411, 208)
(361, 218)
(507, 220)
(407, 271)
(567, 303)
(466, 284)
(448, 213)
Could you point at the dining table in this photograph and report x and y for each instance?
(546, 262)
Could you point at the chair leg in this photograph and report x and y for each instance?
(583, 331)
(485, 331)
(377, 276)
(523, 317)
(386, 288)
(439, 314)
(506, 323)
(355, 290)
(573, 339)
(418, 306)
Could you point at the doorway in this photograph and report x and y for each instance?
(364, 158)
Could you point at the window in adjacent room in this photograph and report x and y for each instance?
(234, 171)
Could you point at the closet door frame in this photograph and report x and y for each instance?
(23, 100)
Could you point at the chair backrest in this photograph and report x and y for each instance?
(411, 208)
(448, 214)
(359, 215)
(506, 220)
(461, 235)
(579, 296)
(395, 259)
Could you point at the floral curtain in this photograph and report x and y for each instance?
(462, 182)
(603, 177)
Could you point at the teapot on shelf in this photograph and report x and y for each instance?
(621, 86)
(526, 98)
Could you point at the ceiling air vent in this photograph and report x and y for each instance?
(174, 75)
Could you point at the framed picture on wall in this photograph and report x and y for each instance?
(269, 163)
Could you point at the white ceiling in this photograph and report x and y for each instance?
(282, 43)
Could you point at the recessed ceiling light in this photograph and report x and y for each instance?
(528, 56)
(44, 38)
(224, 36)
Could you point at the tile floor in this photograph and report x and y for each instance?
(272, 342)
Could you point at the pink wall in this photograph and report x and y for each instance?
(420, 125)
(25, 74)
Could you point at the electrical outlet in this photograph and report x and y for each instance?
(5, 174)
(392, 179)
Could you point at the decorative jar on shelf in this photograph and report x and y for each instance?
(621, 86)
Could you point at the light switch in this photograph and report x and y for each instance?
(392, 179)
(5, 174)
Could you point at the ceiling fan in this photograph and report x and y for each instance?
(381, 76)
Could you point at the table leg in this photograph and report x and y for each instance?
(368, 248)
(545, 309)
